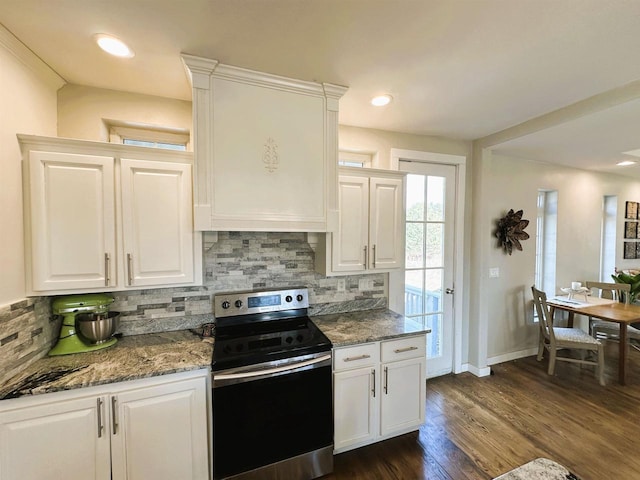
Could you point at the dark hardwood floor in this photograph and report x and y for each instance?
(479, 428)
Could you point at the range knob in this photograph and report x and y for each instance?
(288, 298)
(225, 304)
(238, 303)
(299, 297)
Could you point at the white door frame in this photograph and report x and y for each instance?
(396, 279)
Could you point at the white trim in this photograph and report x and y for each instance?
(13, 45)
(367, 158)
(459, 161)
(478, 372)
(68, 145)
(119, 131)
(507, 357)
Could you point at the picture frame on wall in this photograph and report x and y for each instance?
(631, 210)
(630, 229)
(630, 250)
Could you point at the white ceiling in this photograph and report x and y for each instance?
(463, 69)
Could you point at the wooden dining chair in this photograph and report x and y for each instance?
(602, 329)
(559, 338)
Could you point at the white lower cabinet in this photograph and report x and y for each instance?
(155, 428)
(57, 440)
(379, 391)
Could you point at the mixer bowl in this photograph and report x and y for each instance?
(97, 328)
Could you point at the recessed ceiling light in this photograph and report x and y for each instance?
(625, 163)
(113, 45)
(381, 100)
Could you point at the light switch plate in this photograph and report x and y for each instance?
(494, 272)
(341, 285)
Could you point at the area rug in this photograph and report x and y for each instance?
(539, 469)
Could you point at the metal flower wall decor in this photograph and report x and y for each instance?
(510, 230)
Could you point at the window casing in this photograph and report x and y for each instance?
(149, 136)
(546, 240)
(608, 246)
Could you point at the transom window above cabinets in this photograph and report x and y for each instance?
(349, 158)
(154, 136)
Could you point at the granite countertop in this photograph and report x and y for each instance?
(153, 354)
(366, 326)
(133, 357)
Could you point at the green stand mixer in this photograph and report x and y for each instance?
(87, 323)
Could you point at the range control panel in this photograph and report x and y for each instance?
(246, 303)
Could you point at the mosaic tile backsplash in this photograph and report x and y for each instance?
(27, 332)
(246, 261)
(236, 261)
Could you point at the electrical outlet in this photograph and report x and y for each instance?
(365, 284)
(342, 285)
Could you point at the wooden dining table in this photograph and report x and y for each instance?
(604, 309)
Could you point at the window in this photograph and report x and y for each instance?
(546, 235)
(608, 247)
(347, 158)
(148, 135)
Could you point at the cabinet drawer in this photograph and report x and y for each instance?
(403, 348)
(354, 357)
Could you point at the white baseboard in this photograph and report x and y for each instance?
(485, 371)
(507, 357)
(478, 372)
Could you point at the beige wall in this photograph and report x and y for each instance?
(82, 111)
(27, 105)
(380, 142)
(505, 303)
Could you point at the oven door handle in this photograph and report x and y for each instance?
(270, 371)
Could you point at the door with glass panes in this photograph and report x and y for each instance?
(429, 257)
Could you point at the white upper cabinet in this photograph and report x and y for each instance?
(386, 222)
(156, 222)
(107, 217)
(265, 150)
(370, 235)
(73, 220)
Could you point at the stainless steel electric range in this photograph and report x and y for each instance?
(272, 394)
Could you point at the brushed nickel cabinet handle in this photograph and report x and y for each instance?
(373, 378)
(374, 256)
(406, 349)
(114, 414)
(100, 425)
(130, 268)
(107, 269)
(359, 357)
(386, 380)
(365, 257)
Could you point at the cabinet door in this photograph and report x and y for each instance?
(157, 223)
(72, 221)
(56, 441)
(386, 229)
(350, 243)
(403, 396)
(355, 407)
(160, 432)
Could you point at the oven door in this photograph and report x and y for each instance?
(274, 415)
